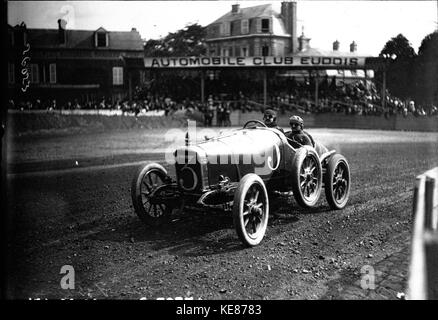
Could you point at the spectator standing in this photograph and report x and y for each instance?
(136, 109)
(227, 115)
(220, 114)
(11, 104)
(53, 105)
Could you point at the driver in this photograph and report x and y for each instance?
(270, 119)
(298, 134)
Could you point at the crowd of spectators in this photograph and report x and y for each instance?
(126, 106)
(356, 98)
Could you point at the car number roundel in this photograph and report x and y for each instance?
(270, 160)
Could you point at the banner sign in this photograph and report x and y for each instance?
(266, 61)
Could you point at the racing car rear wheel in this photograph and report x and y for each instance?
(306, 177)
(337, 182)
(147, 179)
(251, 209)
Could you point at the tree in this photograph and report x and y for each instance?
(426, 70)
(400, 66)
(189, 41)
(429, 46)
(154, 48)
(399, 46)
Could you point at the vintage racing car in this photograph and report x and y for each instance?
(238, 172)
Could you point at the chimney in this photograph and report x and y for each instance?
(235, 8)
(353, 47)
(61, 31)
(303, 42)
(289, 15)
(336, 45)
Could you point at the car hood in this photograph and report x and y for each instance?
(241, 142)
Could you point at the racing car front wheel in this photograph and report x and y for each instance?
(146, 180)
(337, 182)
(306, 177)
(251, 209)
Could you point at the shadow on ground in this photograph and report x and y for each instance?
(196, 233)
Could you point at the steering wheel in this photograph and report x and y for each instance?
(254, 121)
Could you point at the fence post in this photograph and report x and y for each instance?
(423, 269)
(429, 218)
(431, 248)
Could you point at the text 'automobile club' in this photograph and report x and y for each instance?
(187, 62)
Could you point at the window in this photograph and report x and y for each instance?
(237, 51)
(101, 39)
(227, 51)
(244, 51)
(43, 68)
(34, 73)
(265, 50)
(117, 75)
(258, 26)
(11, 73)
(225, 28)
(265, 25)
(214, 31)
(245, 26)
(231, 28)
(52, 73)
(280, 49)
(217, 31)
(256, 48)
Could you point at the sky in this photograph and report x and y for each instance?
(369, 23)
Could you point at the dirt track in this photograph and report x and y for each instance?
(84, 218)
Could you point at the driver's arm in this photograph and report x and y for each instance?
(280, 129)
(305, 140)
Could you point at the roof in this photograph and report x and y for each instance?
(264, 10)
(84, 39)
(326, 53)
(247, 13)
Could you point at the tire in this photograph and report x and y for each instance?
(251, 210)
(306, 177)
(337, 182)
(151, 214)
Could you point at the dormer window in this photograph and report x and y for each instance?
(245, 26)
(101, 38)
(225, 28)
(265, 25)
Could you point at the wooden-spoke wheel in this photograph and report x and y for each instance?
(337, 182)
(146, 181)
(307, 177)
(251, 210)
